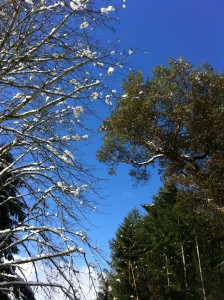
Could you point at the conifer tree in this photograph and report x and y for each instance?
(177, 248)
(11, 213)
(181, 236)
(129, 278)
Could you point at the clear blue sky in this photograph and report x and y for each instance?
(165, 28)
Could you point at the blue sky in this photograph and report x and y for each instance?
(164, 29)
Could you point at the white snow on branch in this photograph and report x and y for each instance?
(110, 70)
(29, 1)
(74, 6)
(105, 10)
(107, 100)
(78, 4)
(124, 96)
(95, 95)
(38, 257)
(84, 25)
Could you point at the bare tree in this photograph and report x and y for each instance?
(52, 68)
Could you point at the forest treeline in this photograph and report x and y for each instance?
(174, 121)
(174, 251)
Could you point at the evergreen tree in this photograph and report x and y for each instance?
(11, 212)
(181, 246)
(128, 274)
(177, 248)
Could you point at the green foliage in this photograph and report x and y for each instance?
(128, 277)
(12, 208)
(11, 212)
(162, 248)
(175, 118)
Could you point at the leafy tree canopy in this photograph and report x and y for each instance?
(176, 119)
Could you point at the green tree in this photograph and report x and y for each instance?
(185, 247)
(128, 270)
(12, 208)
(11, 212)
(201, 231)
(175, 119)
(177, 248)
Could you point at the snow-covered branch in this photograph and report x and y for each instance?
(53, 67)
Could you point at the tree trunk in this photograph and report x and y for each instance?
(200, 270)
(134, 280)
(167, 271)
(184, 265)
